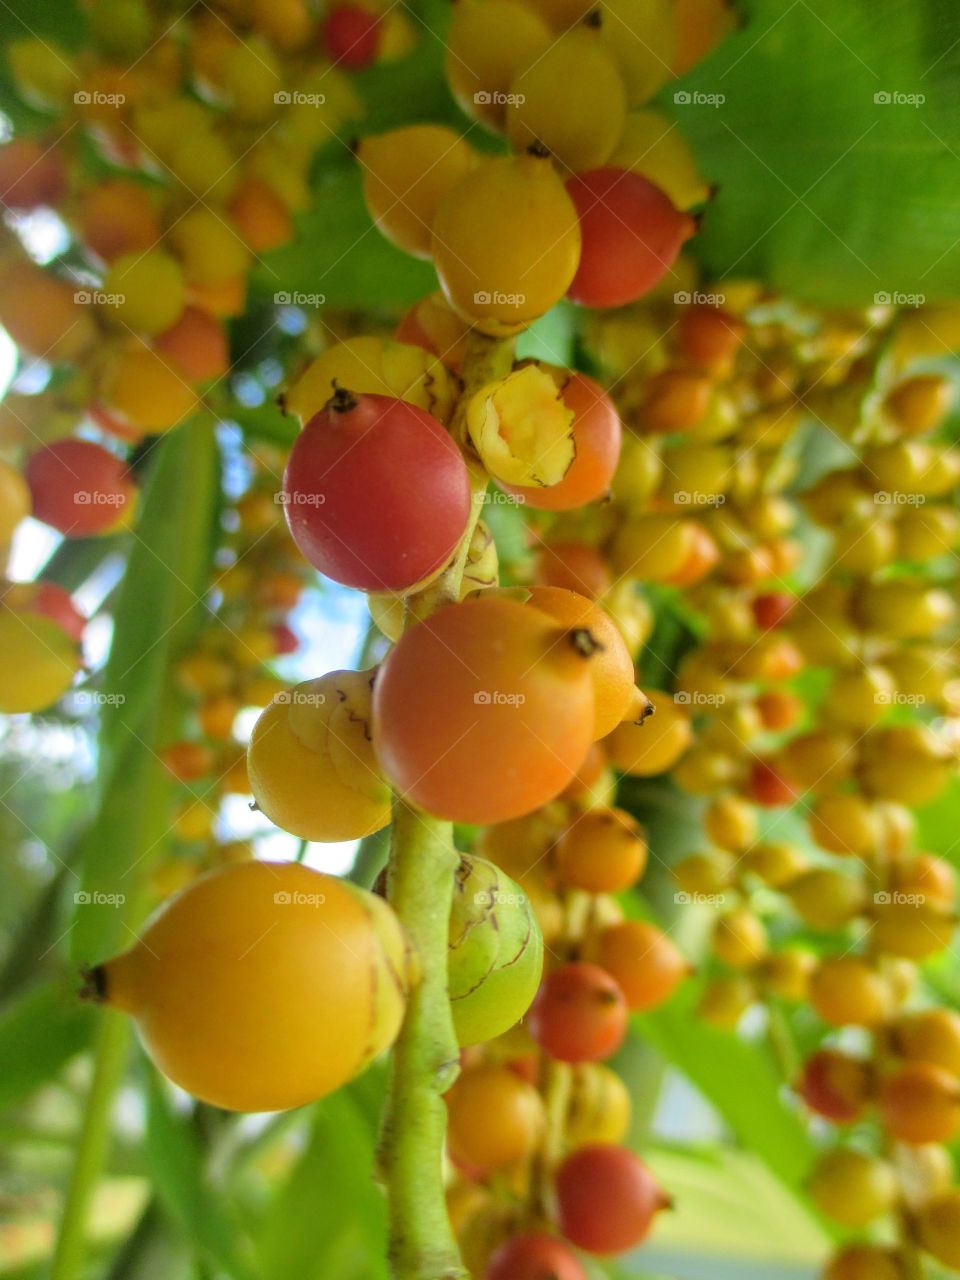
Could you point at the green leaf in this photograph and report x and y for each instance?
(823, 190)
(177, 1166)
(39, 1033)
(329, 1219)
(158, 609)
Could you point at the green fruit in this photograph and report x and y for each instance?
(495, 956)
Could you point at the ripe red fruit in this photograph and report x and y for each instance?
(534, 1255)
(770, 609)
(32, 174)
(56, 603)
(78, 487)
(606, 1198)
(351, 36)
(835, 1085)
(770, 787)
(579, 1014)
(596, 438)
(376, 493)
(285, 639)
(631, 236)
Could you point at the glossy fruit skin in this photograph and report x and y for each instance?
(78, 487)
(145, 389)
(38, 661)
(611, 669)
(488, 44)
(596, 436)
(534, 1255)
(835, 1085)
(351, 36)
(603, 851)
(376, 493)
(579, 1014)
(311, 763)
(920, 1102)
(495, 952)
(644, 750)
(645, 962)
(481, 1093)
(580, 125)
(406, 174)
(483, 711)
(631, 236)
(506, 243)
(250, 960)
(606, 1199)
(600, 1106)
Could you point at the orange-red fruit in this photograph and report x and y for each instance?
(607, 1199)
(117, 217)
(32, 174)
(709, 337)
(612, 667)
(484, 710)
(196, 346)
(647, 966)
(769, 787)
(920, 1102)
(260, 216)
(534, 1255)
(574, 566)
(835, 1085)
(78, 487)
(596, 439)
(602, 851)
(579, 1014)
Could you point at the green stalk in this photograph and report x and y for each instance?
(426, 1057)
(109, 1062)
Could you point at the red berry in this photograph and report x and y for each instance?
(606, 1198)
(770, 609)
(769, 787)
(351, 36)
(631, 236)
(285, 639)
(534, 1255)
(835, 1085)
(579, 1014)
(78, 487)
(54, 602)
(596, 437)
(377, 494)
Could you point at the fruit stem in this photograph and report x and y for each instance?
(109, 1062)
(420, 875)
(426, 1057)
